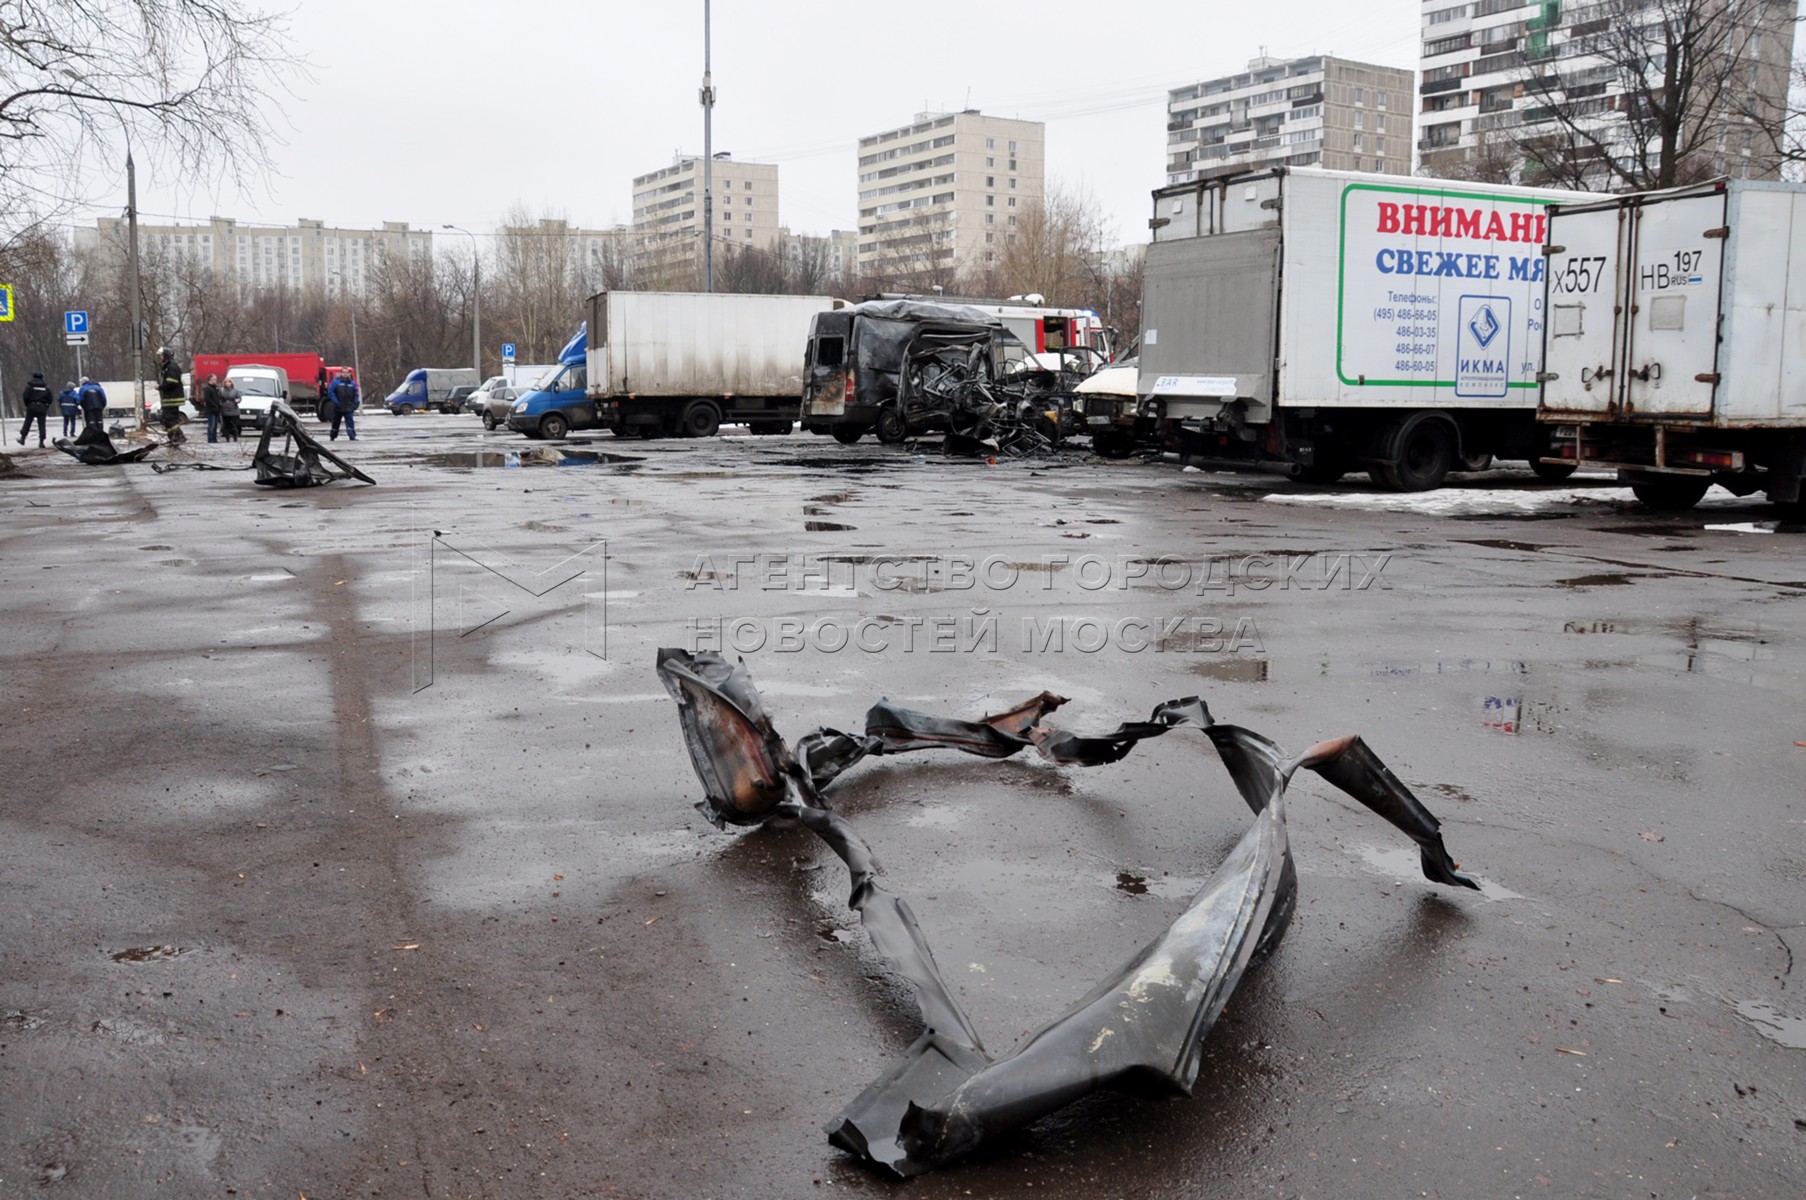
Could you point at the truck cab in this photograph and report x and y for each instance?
(558, 402)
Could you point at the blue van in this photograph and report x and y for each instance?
(558, 401)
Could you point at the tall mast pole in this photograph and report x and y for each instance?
(137, 339)
(708, 160)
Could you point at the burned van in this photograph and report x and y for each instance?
(896, 366)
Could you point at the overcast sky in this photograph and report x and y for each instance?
(452, 111)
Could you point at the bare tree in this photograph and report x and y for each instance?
(184, 81)
(1647, 94)
(1052, 246)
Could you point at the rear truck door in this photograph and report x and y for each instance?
(1671, 360)
(1208, 321)
(1584, 293)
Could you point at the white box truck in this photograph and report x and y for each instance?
(1676, 343)
(1330, 321)
(669, 363)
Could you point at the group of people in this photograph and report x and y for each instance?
(85, 399)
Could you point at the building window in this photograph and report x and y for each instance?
(1379, 122)
(1012, 221)
(990, 143)
(1012, 162)
(990, 237)
(1357, 162)
(1379, 99)
(1358, 142)
(1379, 145)
(727, 216)
(990, 202)
(1012, 202)
(990, 218)
(1012, 185)
(1360, 120)
(749, 182)
(1012, 147)
(990, 162)
(990, 181)
(749, 234)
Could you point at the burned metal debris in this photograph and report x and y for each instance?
(1139, 1031)
(302, 460)
(95, 448)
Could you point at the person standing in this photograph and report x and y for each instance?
(169, 392)
(38, 400)
(344, 404)
(93, 401)
(210, 403)
(70, 404)
(228, 410)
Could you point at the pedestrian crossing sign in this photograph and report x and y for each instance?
(6, 301)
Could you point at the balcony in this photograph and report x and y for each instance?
(1439, 85)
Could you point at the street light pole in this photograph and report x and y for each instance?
(476, 300)
(137, 339)
(708, 160)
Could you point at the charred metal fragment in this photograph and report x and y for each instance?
(302, 461)
(1140, 1031)
(95, 448)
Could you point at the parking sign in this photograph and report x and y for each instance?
(6, 301)
(75, 321)
(507, 352)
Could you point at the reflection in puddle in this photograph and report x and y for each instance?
(1403, 864)
(1773, 1024)
(828, 527)
(539, 456)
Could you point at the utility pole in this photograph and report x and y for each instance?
(137, 340)
(708, 160)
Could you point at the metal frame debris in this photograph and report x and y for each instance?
(1141, 1030)
(302, 460)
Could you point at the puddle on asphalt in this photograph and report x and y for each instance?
(535, 457)
(1773, 1024)
(1608, 579)
(139, 954)
(835, 498)
(1128, 881)
(1502, 544)
(1233, 670)
(156, 547)
(1407, 864)
(829, 527)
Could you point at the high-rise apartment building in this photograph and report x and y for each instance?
(667, 214)
(305, 256)
(1541, 91)
(946, 192)
(1316, 111)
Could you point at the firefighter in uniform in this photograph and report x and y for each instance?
(170, 393)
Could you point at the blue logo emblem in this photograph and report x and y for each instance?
(1484, 326)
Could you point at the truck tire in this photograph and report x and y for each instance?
(1113, 443)
(1475, 462)
(1551, 472)
(846, 435)
(1423, 454)
(1670, 494)
(702, 419)
(771, 428)
(489, 422)
(892, 428)
(405, 410)
(553, 426)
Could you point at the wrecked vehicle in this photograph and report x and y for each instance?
(302, 461)
(891, 366)
(1139, 1031)
(95, 448)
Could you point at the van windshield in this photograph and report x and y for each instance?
(256, 385)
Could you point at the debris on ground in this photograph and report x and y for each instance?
(302, 461)
(1140, 1031)
(95, 448)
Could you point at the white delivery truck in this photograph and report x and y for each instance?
(668, 363)
(1676, 342)
(1331, 321)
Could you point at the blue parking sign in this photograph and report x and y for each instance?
(75, 321)
(507, 351)
(6, 301)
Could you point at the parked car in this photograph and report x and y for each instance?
(455, 402)
(477, 401)
(499, 403)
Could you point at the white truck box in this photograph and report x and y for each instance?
(697, 344)
(1391, 298)
(1676, 341)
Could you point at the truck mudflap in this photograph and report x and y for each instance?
(1139, 1031)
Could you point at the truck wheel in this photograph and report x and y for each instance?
(489, 422)
(892, 428)
(1113, 443)
(1425, 451)
(1553, 472)
(405, 410)
(702, 420)
(1475, 462)
(1670, 495)
(846, 435)
(554, 426)
(771, 428)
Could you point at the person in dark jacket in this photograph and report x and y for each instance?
(94, 401)
(344, 404)
(210, 405)
(170, 393)
(38, 399)
(69, 401)
(228, 410)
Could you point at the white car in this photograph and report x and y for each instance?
(258, 388)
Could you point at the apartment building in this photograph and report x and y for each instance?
(835, 251)
(305, 256)
(1316, 111)
(945, 192)
(667, 212)
(1505, 80)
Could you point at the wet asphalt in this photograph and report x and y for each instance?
(348, 846)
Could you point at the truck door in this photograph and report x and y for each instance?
(1671, 360)
(1583, 294)
(1208, 321)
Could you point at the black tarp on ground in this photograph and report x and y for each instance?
(95, 448)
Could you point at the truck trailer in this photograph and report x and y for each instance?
(1330, 321)
(1673, 350)
(430, 388)
(670, 363)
